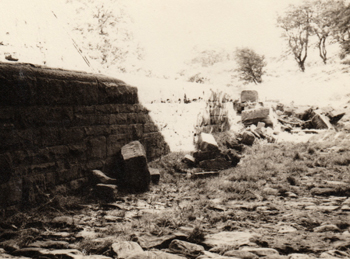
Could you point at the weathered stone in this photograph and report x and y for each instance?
(106, 192)
(155, 175)
(148, 241)
(261, 251)
(235, 239)
(100, 177)
(334, 254)
(247, 138)
(135, 174)
(153, 255)
(209, 255)
(61, 253)
(186, 248)
(251, 116)
(125, 248)
(50, 244)
(206, 142)
(249, 96)
(299, 256)
(31, 252)
(326, 228)
(189, 160)
(63, 221)
(241, 254)
(320, 121)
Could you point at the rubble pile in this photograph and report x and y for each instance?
(215, 116)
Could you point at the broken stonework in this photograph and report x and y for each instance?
(320, 121)
(207, 142)
(253, 116)
(155, 175)
(247, 138)
(249, 96)
(100, 177)
(134, 174)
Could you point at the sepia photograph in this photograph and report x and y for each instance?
(165, 129)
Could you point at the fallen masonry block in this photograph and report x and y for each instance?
(219, 163)
(106, 192)
(320, 121)
(207, 142)
(262, 114)
(249, 96)
(155, 175)
(186, 248)
(247, 138)
(100, 177)
(189, 160)
(335, 116)
(134, 174)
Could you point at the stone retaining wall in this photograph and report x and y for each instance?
(57, 125)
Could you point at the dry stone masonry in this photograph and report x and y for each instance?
(56, 126)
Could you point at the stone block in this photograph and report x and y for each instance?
(247, 138)
(155, 175)
(106, 192)
(249, 96)
(320, 121)
(135, 175)
(255, 114)
(99, 177)
(207, 142)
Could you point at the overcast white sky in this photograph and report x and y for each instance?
(169, 29)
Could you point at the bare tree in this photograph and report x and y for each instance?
(297, 30)
(322, 22)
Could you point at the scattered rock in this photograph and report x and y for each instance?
(336, 254)
(247, 138)
(261, 251)
(186, 248)
(61, 253)
(209, 255)
(234, 239)
(299, 256)
(153, 255)
(326, 228)
(189, 160)
(241, 254)
(63, 221)
(155, 175)
(207, 143)
(125, 248)
(50, 244)
(100, 177)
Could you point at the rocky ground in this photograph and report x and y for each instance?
(282, 201)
